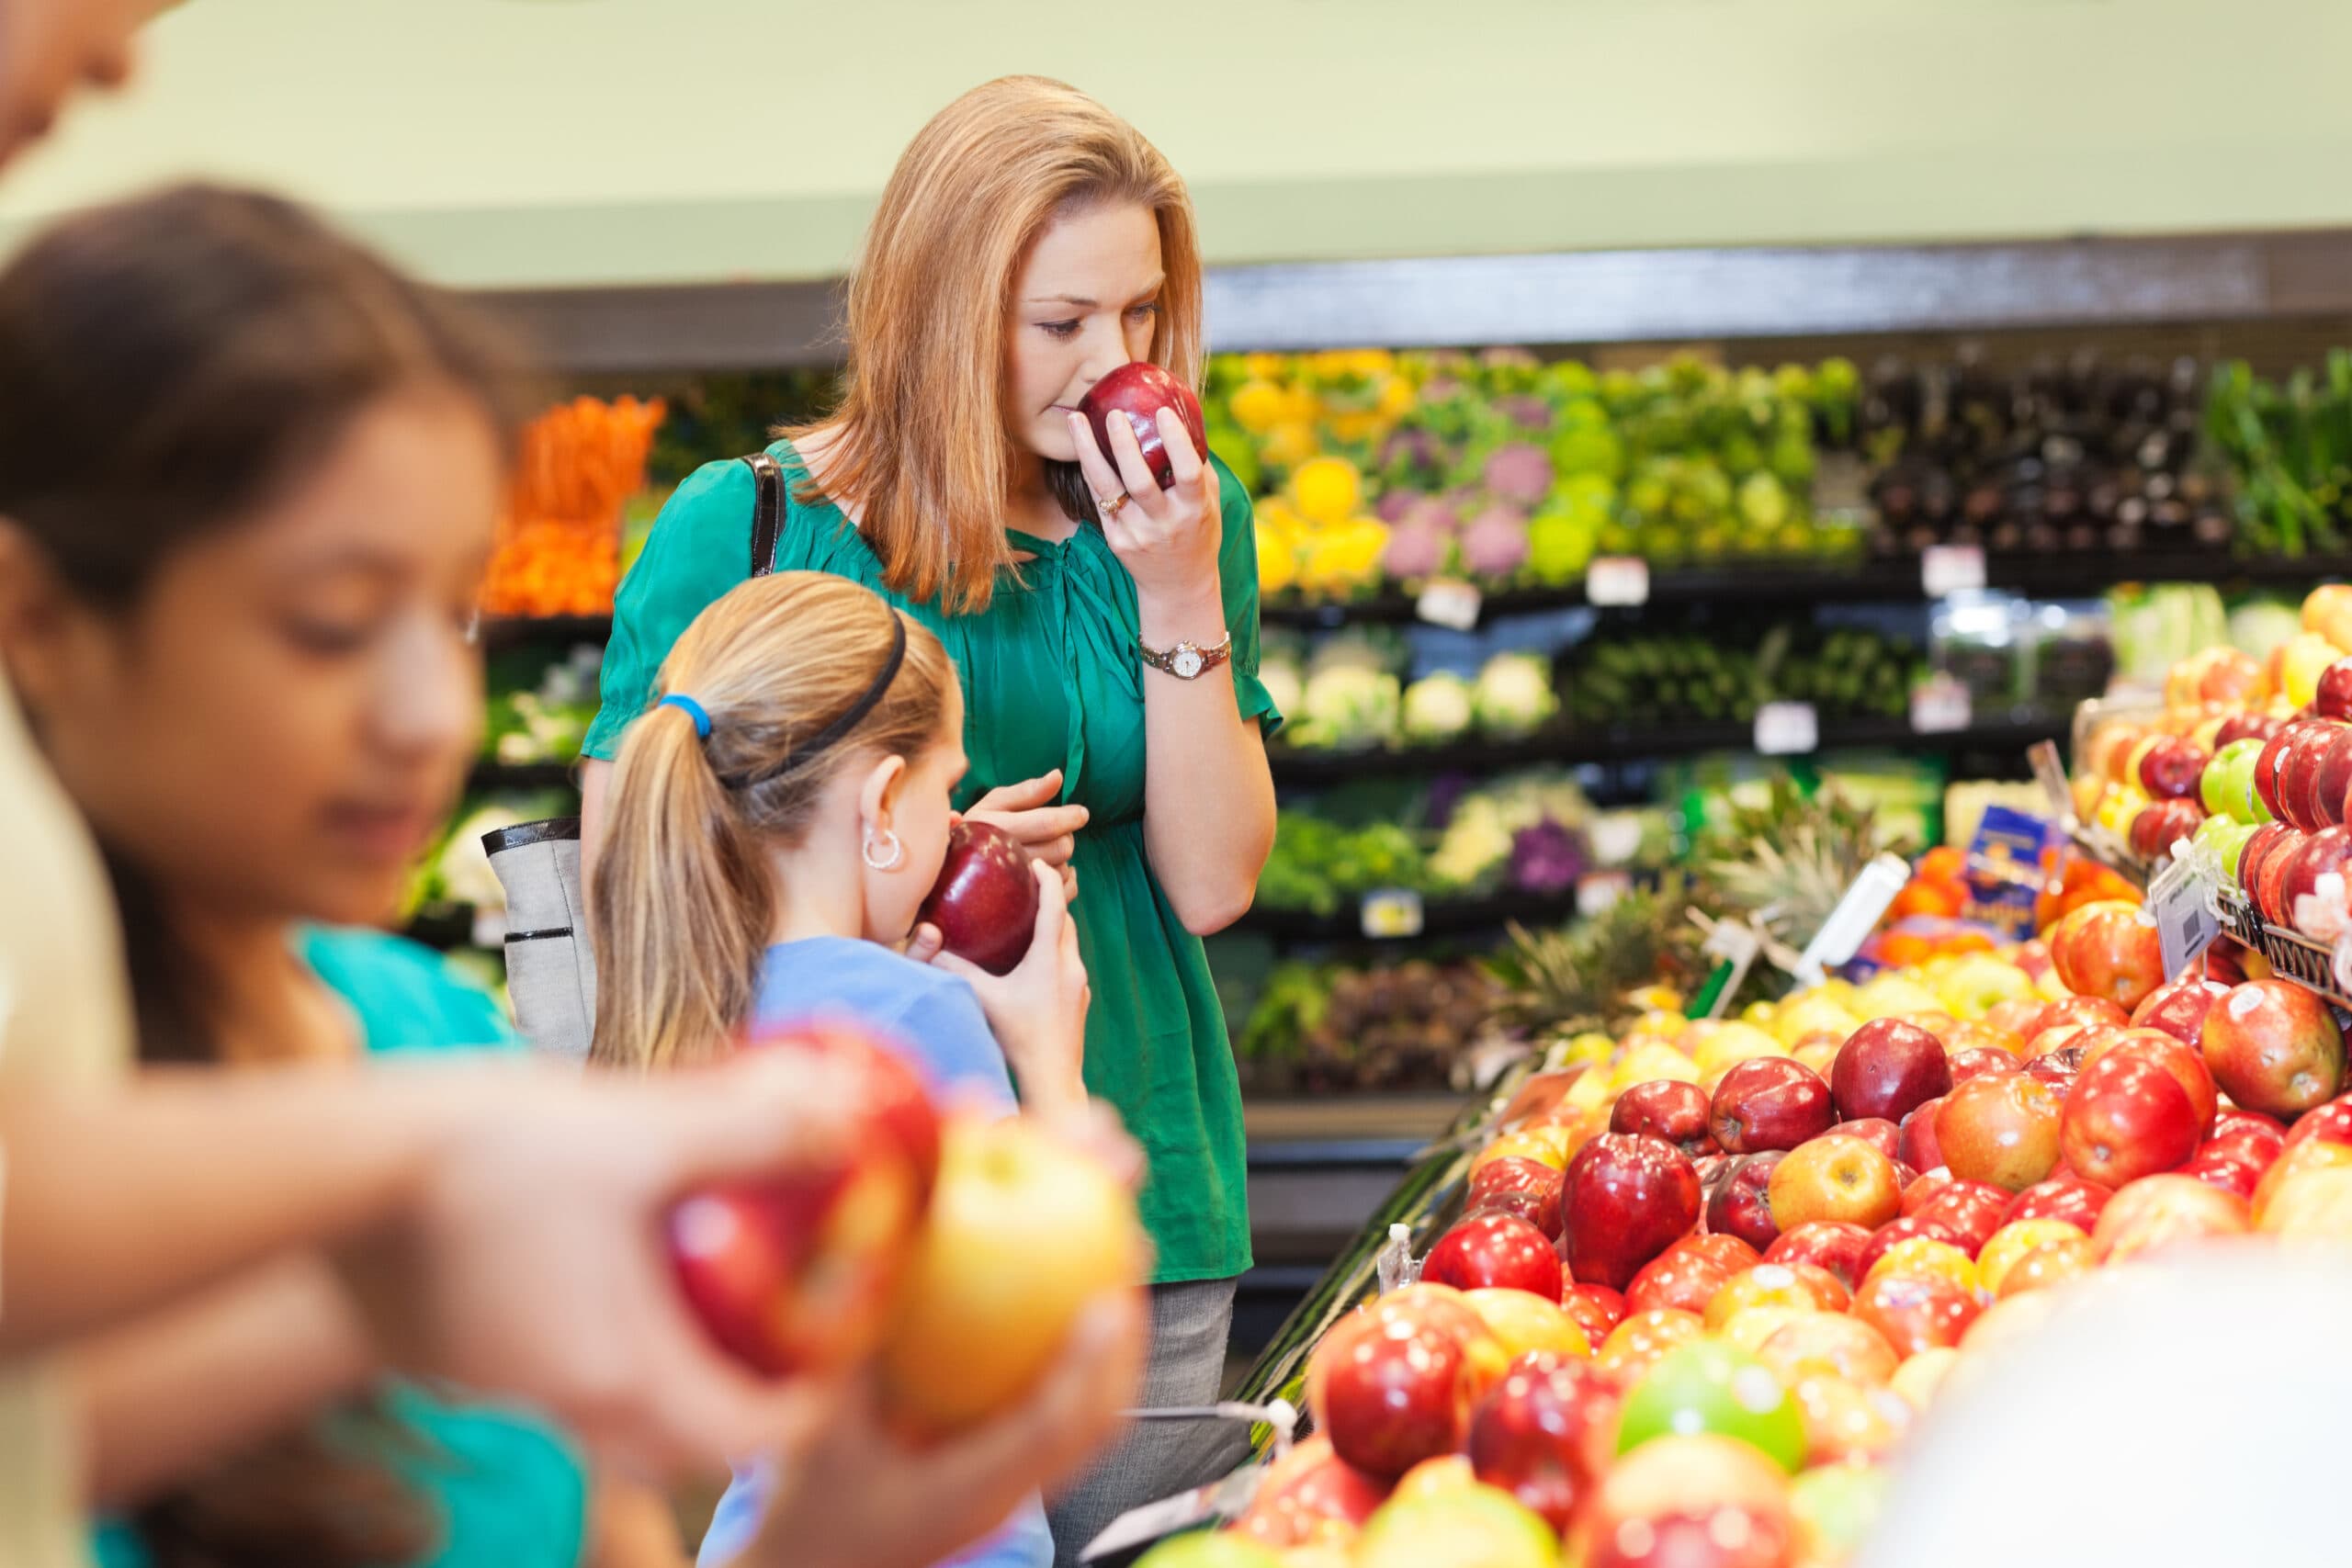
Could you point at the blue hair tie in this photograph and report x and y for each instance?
(693, 710)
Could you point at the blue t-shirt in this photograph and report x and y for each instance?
(510, 1490)
(934, 1018)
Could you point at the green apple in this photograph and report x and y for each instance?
(1834, 1507)
(1978, 982)
(1709, 1386)
(2229, 779)
(1203, 1549)
(1467, 1526)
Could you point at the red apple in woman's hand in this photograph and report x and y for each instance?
(985, 902)
(1140, 389)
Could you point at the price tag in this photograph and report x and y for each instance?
(1939, 706)
(1449, 602)
(2187, 916)
(1390, 912)
(1787, 729)
(1599, 893)
(1946, 569)
(1856, 915)
(1617, 581)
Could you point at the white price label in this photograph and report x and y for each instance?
(1614, 580)
(2187, 914)
(1391, 913)
(1787, 729)
(1939, 707)
(1946, 570)
(1449, 602)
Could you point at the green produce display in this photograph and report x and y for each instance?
(1693, 677)
(1406, 1026)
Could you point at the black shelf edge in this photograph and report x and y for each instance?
(522, 631)
(1293, 768)
(1440, 916)
(523, 776)
(1880, 581)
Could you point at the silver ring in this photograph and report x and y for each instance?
(1110, 508)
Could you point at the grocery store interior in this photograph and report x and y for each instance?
(1797, 547)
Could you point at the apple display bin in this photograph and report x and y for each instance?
(2290, 954)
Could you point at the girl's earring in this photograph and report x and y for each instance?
(881, 859)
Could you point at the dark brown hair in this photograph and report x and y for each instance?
(169, 366)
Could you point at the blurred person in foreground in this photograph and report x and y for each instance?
(460, 1198)
(2168, 1414)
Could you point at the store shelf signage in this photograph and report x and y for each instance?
(1450, 603)
(1787, 729)
(1617, 581)
(1391, 913)
(1946, 569)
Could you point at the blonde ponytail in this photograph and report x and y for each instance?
(685, 897)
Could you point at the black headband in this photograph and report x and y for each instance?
(849, 717)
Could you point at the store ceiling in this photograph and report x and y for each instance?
(565, 143)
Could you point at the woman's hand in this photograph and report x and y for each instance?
(1168, 539)
(1038, 1011)
(852, 1496)
(1026, 811)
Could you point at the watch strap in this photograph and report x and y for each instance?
(1166, 660)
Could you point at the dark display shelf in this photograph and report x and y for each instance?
(523, 776)
(1440, 916)
(1897, 580)
(519, 631)
(1297, 769)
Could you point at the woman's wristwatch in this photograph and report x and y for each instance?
(1188, 660)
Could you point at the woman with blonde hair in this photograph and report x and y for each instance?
(1105, 630)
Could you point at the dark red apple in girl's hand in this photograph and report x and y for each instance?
(795, 1273)
(1140, 389)
(985, 902)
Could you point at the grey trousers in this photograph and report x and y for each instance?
(1190, 1326)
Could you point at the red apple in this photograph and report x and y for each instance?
(2333, 778)
(1885, 1068)
(2227, 1166)
(1903, 1227)
(2299, 765)
(2177, 1007)
(1668, 1109)
(2020, 1017)
(1983, 1061)
(1308, 1495)
(1728, 1250)
(1921, 1190)
(794, 1273)
(2171, 766)
(1140, 389)
(2183, 1062)
(1629, 1198)
(985, 902)
(2067, 1198)
(2057, 1069)
(2163, 1211)
(1681, 1278)
(2331, 698)
(1972, 1211)
(2090, 1012)
(1724, 1486)
(2270, 764)
(2246, 726)
(1740, 1204)
(1835, 1178)
(2268, 889)
(2316, 871)
(1769, 1102)
(1876, 1131)
(1534, 1181)
(1495, 1252)
(2107, 950)
(2274, 1047)
(2331, 1123)
(2155, 827)
(1544, 1435)
(1394, 1383)
(1597, 1308)
(2002, 1132)
(1920, 1150)
(1916, 1312)
(1836, 1246)
(1730, 1536)
(2127, 1118)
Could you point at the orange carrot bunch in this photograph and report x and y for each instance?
(558, 544)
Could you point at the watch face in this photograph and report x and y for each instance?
(1187, 662)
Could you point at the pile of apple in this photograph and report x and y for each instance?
(2252, 758)
(1695, 1300)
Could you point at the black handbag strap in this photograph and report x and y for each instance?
(767, 516)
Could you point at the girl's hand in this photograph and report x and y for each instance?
(1027, 812)
(1166, 539)
(1038, 1011)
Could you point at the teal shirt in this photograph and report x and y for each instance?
(1051, 680)
(511, 1489)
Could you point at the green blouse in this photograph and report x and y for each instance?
(1051, 680)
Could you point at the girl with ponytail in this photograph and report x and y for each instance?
(773, 823)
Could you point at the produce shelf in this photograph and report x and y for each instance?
(2310, 964)
(1439, 917)
(1297, 769)
(1896, 581)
